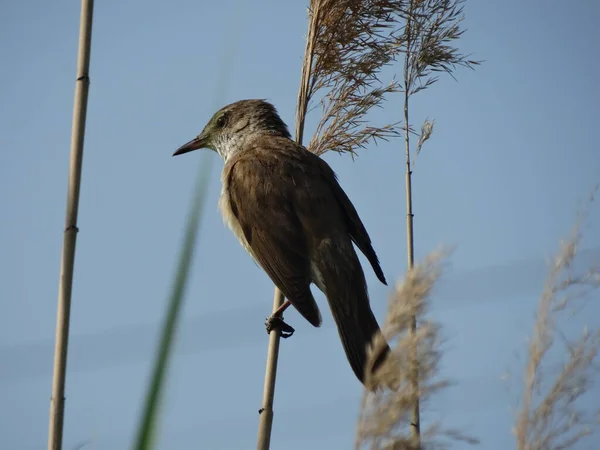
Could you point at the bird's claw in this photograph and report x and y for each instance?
(274, 322)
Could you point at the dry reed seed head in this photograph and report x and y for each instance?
(348, 43)
(386, 414)
(427, 38)
(551, 415)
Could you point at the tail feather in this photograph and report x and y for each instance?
(346, 291)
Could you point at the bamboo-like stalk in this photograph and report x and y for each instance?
(265, 424)
(415, 422)
(57, 402)
(430, 27)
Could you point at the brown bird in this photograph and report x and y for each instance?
(289, 212)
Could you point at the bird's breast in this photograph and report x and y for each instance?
(231, 221)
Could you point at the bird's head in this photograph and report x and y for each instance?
(231, 127)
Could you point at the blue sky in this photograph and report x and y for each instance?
(514, 151)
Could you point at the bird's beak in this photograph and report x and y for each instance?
(195, 144)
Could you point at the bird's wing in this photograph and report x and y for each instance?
(265, 214)
(332, 224)
(355, 227)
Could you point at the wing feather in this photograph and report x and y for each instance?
(272, 231)
(355, 227)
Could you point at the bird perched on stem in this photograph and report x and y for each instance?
(289, 212)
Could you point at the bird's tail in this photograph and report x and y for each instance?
(346, 292)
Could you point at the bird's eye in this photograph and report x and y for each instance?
(221, 121)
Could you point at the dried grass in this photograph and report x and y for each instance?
(426, 40)
(552, 416)
(348, 44)
(385, 415)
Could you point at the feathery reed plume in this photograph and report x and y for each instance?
(430, 28)
(551, 416)
(426, 38)
(384, 415)
(348, 44)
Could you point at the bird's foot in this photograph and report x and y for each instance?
(273, 322)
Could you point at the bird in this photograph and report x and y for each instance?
(289, 212)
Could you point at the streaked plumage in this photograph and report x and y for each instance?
(289, 212)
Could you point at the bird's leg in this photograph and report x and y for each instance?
(275, 320)
(279, 311)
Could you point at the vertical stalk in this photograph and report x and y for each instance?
(57, 402)
(415, 425)
(265, 424)
(415, 416)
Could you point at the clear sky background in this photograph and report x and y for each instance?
(514, 151)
